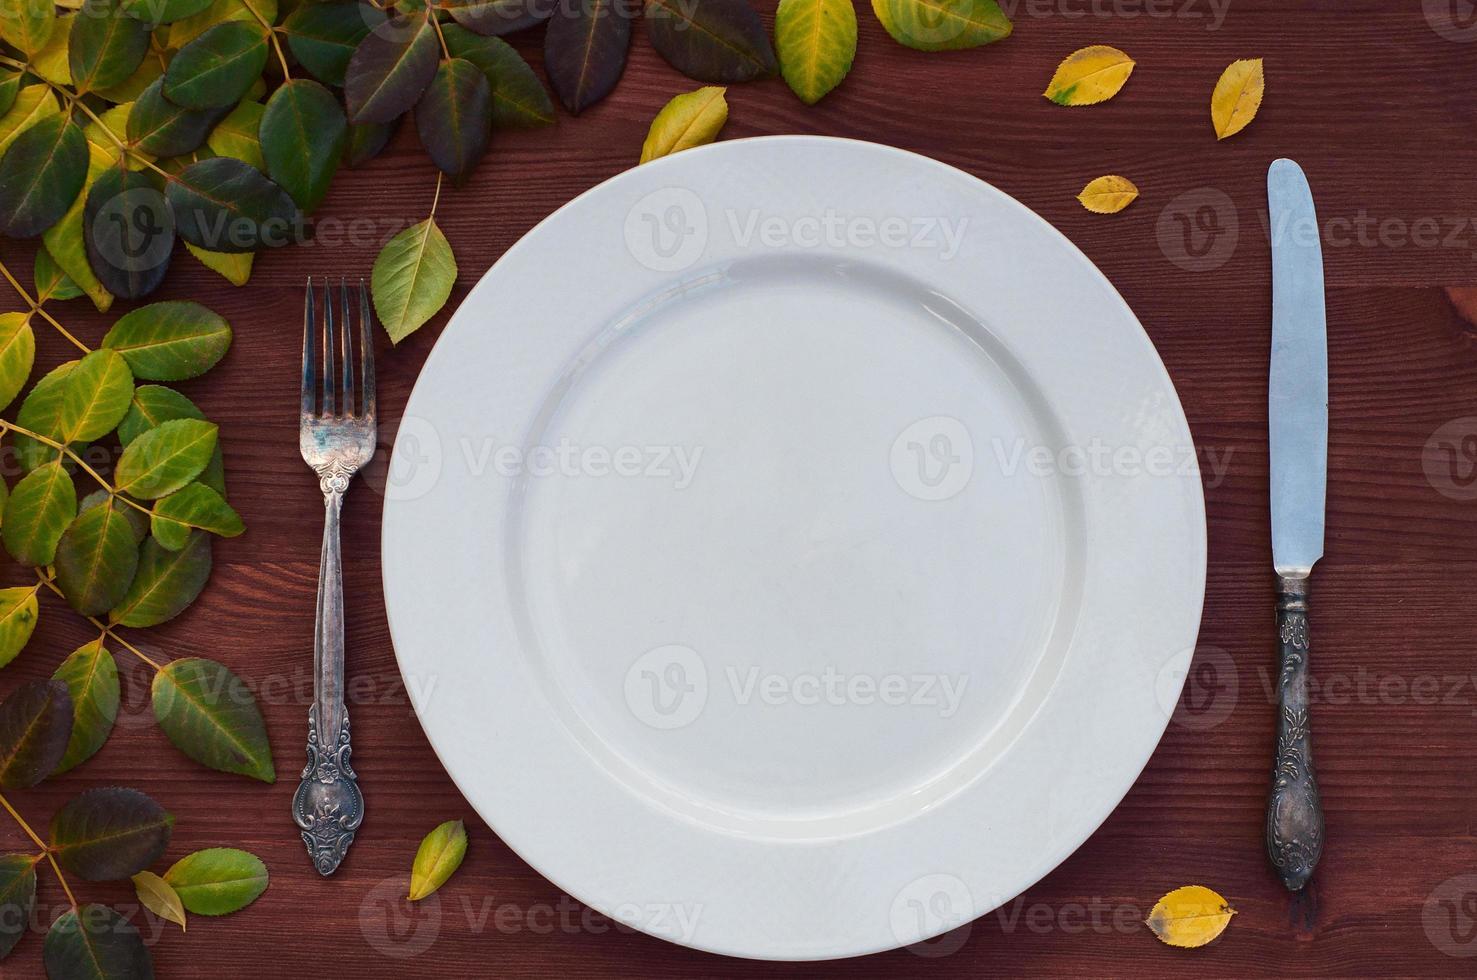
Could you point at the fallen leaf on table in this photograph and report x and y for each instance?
(816, 43)
(437, 859)
(1108, 195)
(691, 119)
(1237, 97)
(1190, 916)
(158, 897)
(942, 25)
(1089, 76)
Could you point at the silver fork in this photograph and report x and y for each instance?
(335, 442)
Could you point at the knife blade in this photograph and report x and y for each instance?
(1297, 432)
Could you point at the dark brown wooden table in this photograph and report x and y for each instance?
(1375, 98)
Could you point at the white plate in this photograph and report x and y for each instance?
(794, 547)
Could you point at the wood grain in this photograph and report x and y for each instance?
(1377, 106)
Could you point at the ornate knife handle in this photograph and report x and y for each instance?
(328, 807)
(1294, 809)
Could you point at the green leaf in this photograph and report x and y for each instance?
(412, 278)
(170, 341)
(151, 406)
(91, 676)
(211, 716)
(41, 412)
(96, 559)
(104, 47)
(128, 232)
(166, 582)
(302, 133)
(942, 25)
(323, 36)
(390, 69)
(218, 881)
(95, 397)
(128, 90)
(138, 521)
(691, 119)
(35, 725)
(17, 899)
(182, 32)
(519, 100)
(217, 68)
(224, 205)
(52, 281)
(196, 506)
(27, 24)
(95, 943)
(18, 612)
(239, 135)
(158, 897)
(155, 12)
(816, 42)
(67, 242)
(110, 833)
(10, 86)
(41, 174)
(367, 140)
(440, 854)
(17, 353)
(720, 41)
(585, 49)
(236, 267)
(165, 458)
(40, 507)
(32, 104)
(454, 116)
(158, 126)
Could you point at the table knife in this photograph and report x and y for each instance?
(1297, 415)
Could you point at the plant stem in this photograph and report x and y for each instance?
(62, 879)
(436, 199)
(104, 627)
(35, 306)
(8, 426)
(441, 37)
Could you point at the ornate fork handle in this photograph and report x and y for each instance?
(328, 806)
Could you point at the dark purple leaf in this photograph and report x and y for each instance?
(92, 942)
(585, 49)
(498, 17)
(35, 727)
(454, 117)
(129, 232)
(720, 41)
(518, 97)
(17, 898)
(224, 205)
(110, 833)
(366, 140)
(390, 69)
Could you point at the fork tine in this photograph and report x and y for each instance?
(346, 333)
(328, 344)
(366, 341)
(310, 380)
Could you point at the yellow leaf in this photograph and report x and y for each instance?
(159, 897)
(235, 266)
(1238, 96)
(1108, 195)
(942, 25)
(32, 104)
(816, 43)
(1089, 76)
(50, 62)
(1190, 916)
(689, 120)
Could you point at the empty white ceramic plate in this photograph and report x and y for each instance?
(793, 548)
